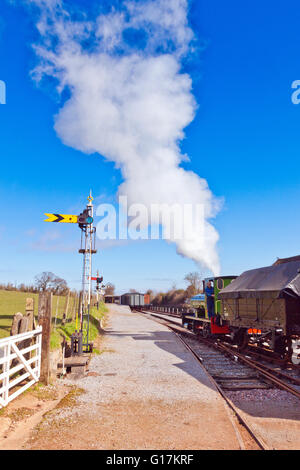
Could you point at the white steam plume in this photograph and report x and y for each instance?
(129, 101)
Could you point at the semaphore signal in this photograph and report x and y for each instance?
(88, 234)
(62, 218)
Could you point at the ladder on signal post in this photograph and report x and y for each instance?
(87, 249)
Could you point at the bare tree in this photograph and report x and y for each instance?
(59, 286)
(43, 280)
(109, 289)
(49, 281)
(194, 280)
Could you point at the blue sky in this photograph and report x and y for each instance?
(244, 141)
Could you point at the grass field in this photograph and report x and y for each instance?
(69, 328)
(12, 302)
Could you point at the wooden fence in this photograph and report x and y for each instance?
(20, 363)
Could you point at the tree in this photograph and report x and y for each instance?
(158, 299)
(190, 291)
(43, 280)
(59, 286)
(109, 289)
(49, 281)
(194, 280)
(151, 294)
(176, 296)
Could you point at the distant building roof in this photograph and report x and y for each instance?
(132, 293)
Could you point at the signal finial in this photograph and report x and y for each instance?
(90, 198)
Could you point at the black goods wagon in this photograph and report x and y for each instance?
(133, 299)
(263, 306)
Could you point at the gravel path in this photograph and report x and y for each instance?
(145, 392)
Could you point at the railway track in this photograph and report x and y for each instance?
(273, 375)
(257, 353)
(231, 370)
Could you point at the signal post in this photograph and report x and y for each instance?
(88, 242)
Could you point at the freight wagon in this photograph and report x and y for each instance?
(133, 299)
(263, 306)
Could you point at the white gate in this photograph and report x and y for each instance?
(19, 368)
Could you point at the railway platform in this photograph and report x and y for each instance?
(146, 391)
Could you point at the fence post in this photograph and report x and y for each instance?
(29, 311)
(56, 311)
(74, 308)
(23, 327)
(15, 327)
(78, 319)
(44, 319)
(67, 306)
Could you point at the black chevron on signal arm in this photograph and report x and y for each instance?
(59, 218)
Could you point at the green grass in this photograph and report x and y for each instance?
(12, 302)
(69, 328)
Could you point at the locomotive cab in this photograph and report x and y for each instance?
(209, 320)
(218, 283)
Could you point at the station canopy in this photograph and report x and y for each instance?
(282, 279)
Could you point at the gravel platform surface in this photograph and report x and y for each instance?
(146, 391)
